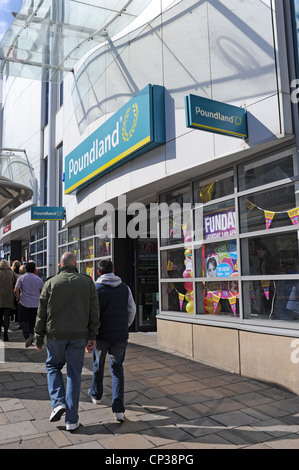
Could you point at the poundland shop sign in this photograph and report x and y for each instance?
(47, 213)
(135, 129)
(214, 116)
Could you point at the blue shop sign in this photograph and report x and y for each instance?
(135, 129)
(47, 213)
(214, 116)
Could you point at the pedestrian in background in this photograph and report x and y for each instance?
(7, 283)
(16, 269)
(27, 292)
(68, 315)
(117, 313)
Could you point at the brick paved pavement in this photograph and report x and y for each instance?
(172, 402)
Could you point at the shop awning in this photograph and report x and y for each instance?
(48, 37)
(16, 179)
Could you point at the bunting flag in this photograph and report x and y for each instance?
(171, 266)
(265, 285)
(216, 300)
(268, 217)
(184, 229)
(252, 294)
(107, 247)
(232, 302)
(249, 206)
(170, 288)
(293, 214)
(181, 300)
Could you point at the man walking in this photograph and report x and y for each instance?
(27, 292)
(7, 298)
(68, 315)
(117, 313)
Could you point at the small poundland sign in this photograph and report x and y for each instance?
(47, 213)
(214, 116)
(135, 129)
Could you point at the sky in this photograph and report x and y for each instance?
(6, 7)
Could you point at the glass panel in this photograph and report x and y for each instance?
(278, 300)
(176, 298)
(275, 254)
(87, 249)
(74, 234)
(218, 298)
(214, 188)
(62, 238)
(87, 230)
(267, 170)
(33, 248)
(215, 221)
(75, 28)
(217, 260)
(87, 268)
(267, 209)
(177, 263)
(74, 248)
(102, 247)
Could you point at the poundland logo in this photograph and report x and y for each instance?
(214, 116)
(237, 120)
(136, 128)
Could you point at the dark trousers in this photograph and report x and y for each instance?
(27, 317)
(4, 319)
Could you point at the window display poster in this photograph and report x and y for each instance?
(220, 259)
(219, 224)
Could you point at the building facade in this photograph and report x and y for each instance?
(172, 147)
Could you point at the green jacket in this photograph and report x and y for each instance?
(68, 308)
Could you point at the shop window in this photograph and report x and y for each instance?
(276, 299)
(264, 171)
(268, 209)
(270, 254)
(87, 249)
(214, 221)
(88, 269)
(62, 238)
(87, 230)
(175, 217)
(74, 234)
(74, 248)
(176, 263)
(177, 297)
(217, 260)
(102, 247)
(214, 188)
(218, 298)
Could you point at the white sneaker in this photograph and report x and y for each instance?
(72, 426)
(94, 400)
(57, 412)
(120, 417)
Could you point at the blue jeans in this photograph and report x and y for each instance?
(70, 353)
(116, 353)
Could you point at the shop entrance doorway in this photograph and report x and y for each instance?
(136, 262)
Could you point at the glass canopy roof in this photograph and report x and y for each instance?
(48, 37)
(16, 177)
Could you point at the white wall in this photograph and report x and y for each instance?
(219, 50)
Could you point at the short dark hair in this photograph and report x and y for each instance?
(105, 266)
(30, 267)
